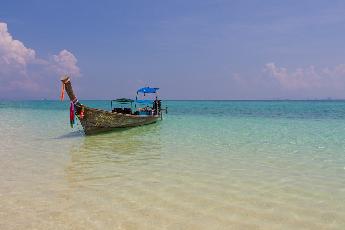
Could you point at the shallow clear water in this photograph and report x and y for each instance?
(207, 165)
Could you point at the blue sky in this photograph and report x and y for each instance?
(192, 49)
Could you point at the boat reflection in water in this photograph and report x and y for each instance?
(116, 154)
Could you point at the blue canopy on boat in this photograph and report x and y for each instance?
(147, 90)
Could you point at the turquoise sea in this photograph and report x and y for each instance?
(207, 165)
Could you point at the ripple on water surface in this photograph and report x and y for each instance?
(208, 165)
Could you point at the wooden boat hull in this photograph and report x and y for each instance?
(96, 121)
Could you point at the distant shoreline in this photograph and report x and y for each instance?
(185, 99)
(196, 100)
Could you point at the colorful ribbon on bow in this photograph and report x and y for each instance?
(71, 115)
(81, 115)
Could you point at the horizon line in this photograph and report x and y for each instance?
(277, 99)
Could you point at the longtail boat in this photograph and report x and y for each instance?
(96, 120)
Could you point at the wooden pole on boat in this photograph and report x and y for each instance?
(79, 108)
(68, 87)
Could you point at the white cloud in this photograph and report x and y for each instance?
(66, 62)
(308, 78)
(302, 83)
(14, 56)
(21, 69)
